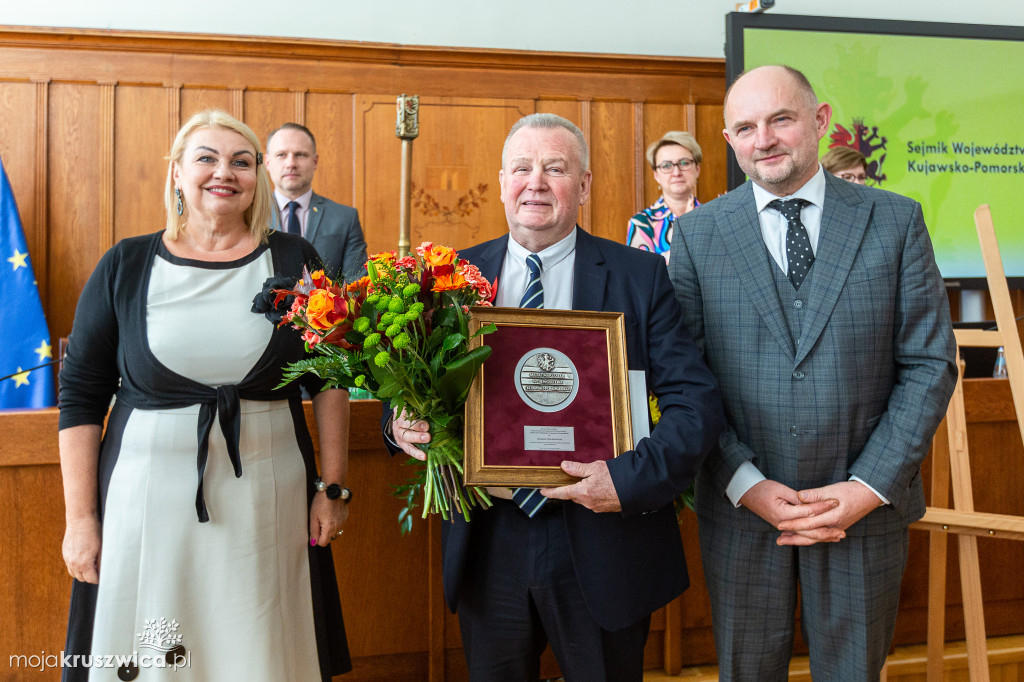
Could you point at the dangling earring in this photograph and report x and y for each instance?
(180, 207)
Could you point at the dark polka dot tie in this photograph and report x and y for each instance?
(798, 245)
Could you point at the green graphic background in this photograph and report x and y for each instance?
(924, 90)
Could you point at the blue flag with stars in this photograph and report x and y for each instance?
(24, 338)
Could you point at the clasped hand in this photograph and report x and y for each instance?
(810, 516)
(595, 490)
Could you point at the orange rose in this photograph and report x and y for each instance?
(438, 255)
(320, 309)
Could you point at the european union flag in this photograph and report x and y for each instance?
(24, 338)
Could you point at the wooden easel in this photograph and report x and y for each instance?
(950, 460)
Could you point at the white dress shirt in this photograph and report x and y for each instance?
(303, 210)
(557, 262)
(773, 230)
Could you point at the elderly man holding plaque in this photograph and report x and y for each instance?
(584, 570)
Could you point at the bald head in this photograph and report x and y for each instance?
(773, 122)
(799, 81)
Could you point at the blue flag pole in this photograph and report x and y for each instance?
(24, 336)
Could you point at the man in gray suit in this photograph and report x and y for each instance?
(825, 320)
(332, 228)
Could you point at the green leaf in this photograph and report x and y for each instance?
(452, 341)
(453, 385)
(489, 328)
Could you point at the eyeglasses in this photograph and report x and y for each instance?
(681, 164)
(859, 178)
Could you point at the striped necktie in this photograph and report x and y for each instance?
(533, 297)
(529, 499)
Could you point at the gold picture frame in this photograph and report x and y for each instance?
(597, 415)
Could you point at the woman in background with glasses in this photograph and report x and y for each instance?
(675, 159)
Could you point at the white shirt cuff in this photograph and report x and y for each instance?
(877, 494)
(745, 478)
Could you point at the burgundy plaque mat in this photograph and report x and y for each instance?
(505, 413)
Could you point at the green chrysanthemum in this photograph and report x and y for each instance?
(381, 358)
(393, 330)
(402, 340)
(396, 305)
(361, 325)
(359, 380)
(372, 340)
(411, 290)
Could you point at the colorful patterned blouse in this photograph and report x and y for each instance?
(651, 229)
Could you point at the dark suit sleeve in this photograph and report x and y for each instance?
(354, 250)
(90, 375)
(663, 465)
(924, 353)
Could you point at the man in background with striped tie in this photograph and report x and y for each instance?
(581, 567)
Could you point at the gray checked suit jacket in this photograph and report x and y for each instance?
(864, 388)
(334, 231)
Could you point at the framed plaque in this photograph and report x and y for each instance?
(555, 388)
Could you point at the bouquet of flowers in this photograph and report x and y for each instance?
(401, 333)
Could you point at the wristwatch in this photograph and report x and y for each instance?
(333, 491)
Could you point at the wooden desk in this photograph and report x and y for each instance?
(390, 584)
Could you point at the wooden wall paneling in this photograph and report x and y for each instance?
(586, 214)
(172, 114)
(455, 162)
(74, 186)
(266, 110)
(381, 574)
(35, 588)
(659, 118)
(611, 160)
(329, 117)
(35, 610)
(713, 179)
(237, 103)
(41, 217)
(640, 171)
(140, 159)
(293, 64)
(106, 166)
(194, 100)
(18, 122)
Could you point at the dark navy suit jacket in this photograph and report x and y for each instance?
(628, 564)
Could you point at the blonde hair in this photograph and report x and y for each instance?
(257, 215)
(841, 158)
(679, 137)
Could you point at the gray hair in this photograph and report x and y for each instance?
(551, 121)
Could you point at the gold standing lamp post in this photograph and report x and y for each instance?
(407, 128)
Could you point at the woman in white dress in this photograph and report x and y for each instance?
(196, 531)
